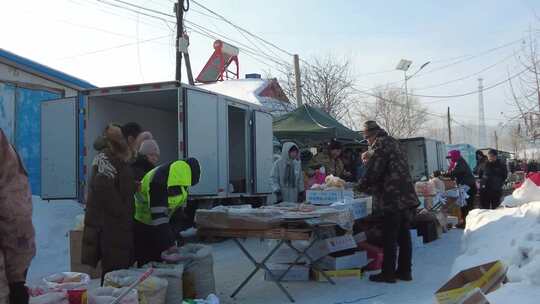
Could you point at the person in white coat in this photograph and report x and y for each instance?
(287, 177)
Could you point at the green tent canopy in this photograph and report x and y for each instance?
(309, 125)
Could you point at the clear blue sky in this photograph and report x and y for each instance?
(83, 37)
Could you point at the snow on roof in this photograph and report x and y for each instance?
(250, 90)
(43, 70)
(243, 89)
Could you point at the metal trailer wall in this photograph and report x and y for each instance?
(20, 118)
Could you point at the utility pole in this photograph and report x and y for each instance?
(179, 10)
(481, 118)
(407, 101)
(298, 80)
(496, 140)
(449, 127)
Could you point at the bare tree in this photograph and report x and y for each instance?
(327, 83)
(525, 89)
(400, 118)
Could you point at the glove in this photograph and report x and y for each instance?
(279, 196)
(302, 196)
(18, 293)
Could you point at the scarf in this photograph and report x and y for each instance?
(290, 179)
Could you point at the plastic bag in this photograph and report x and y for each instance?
(173, 274)
(105, 295)
(334, 182)
(152, 291)
(67, 281)
(198, 278)
(526, 193)
(55, 297)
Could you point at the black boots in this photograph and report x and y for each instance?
(383, 278)
(391, 279)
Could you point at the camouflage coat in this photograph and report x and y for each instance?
(387, 175)
(17, 237)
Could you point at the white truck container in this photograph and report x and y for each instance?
(231, 138)
(424, 156)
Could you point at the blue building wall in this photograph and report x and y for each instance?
(20, 118)
(7, 110)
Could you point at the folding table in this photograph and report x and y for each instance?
(285, 236)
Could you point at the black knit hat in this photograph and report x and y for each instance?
(371, 125)
(195, 170)
(493, 152)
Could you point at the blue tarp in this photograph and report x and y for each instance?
(28, 131)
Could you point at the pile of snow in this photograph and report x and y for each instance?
(52, 222)
(511, 235)
(527, 192)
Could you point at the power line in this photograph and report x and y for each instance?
(247, 51)
(467, 76)
(138, 7)
(112, 48)
(472, 92)
(99, 8)
(242, 45)
(242, 29)
(139, 12)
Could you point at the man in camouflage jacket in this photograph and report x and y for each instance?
(17, 244)
(388, 179)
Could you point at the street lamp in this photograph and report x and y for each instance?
(404, 66)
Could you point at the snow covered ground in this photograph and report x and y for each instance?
(513, 236)
(52, 221)
(432, 266)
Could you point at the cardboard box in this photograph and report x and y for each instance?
(348, 273)
(374, 254)
(319, 197)
(296, 273)
(75, 252)
(487, 278)
(339, 261)
(475, 297)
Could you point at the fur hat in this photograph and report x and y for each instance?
(116, 142)
(149, 146)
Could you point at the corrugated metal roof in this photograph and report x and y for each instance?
(44, 71)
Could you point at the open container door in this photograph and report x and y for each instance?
(263, 151)
(202, 138)
(59, 119)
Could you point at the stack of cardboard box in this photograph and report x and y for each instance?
(75, 252)
(338, 256)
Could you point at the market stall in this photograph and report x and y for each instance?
(309, 241)
(308, 125)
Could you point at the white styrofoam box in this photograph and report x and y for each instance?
(325, 247)
(296, 273)
(319, 197)
(357, 260)
(358, 207)
(286, 255)
(360, 237)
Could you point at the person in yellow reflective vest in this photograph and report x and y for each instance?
(162, 194)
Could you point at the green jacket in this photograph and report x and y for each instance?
(163, 191)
